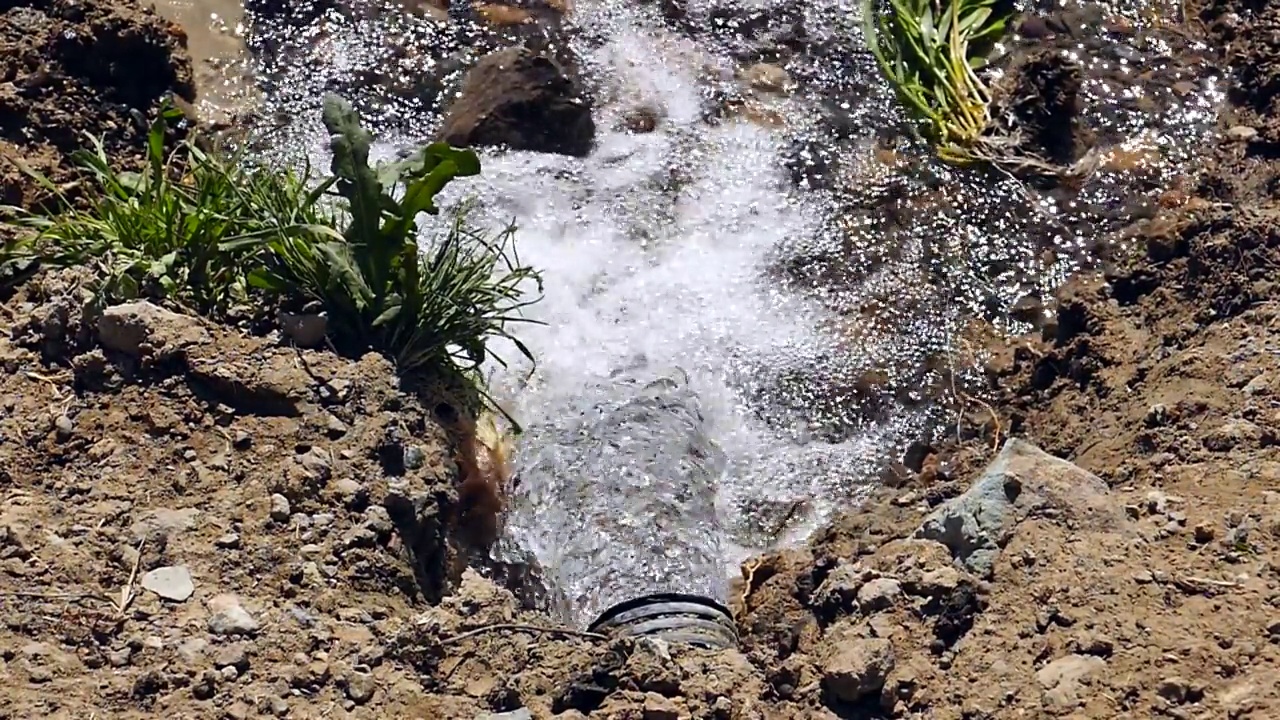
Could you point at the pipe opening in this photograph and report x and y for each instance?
(675, 617)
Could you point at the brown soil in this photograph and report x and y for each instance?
(67, 68)
(318, 509)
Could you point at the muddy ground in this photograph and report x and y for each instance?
(199, 524)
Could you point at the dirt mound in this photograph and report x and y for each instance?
(1157, 378)
(74, 67)
(176, 494)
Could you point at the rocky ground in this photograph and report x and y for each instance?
(196, 523)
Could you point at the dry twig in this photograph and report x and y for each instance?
(1198, 584)
(126, 592)
(47, 595)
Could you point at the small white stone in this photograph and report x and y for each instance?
(171, 583)
(228, 617)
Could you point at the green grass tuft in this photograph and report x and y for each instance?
(161, 233)
(930, 51)
(424, 310)
(208, 233)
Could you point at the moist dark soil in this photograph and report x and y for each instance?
(69, 68)
(196, 523)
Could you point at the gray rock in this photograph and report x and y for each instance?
(414, 457)
(228, 617)
(172, 582)
(360, 687)
(334, 427)
(64, 427)
(192, 650)
(230, 541)
(878, 594)
(1242, 133)
(1232, 433)
(1022, 482)
(120, 658)
(164, 521)
(318, 463)
(841, 587)
(207, 686)
(857, 667)
(306, 330)
(278, 706)
(141, 328)
(353, 494)
(280, 509)
(232, 656)
(938, 583)
(1064, 680)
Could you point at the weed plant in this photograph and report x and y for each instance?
(427, 309)
(207, 233)
(164, 232)
(932, 52)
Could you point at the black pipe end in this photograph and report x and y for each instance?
(677, 617)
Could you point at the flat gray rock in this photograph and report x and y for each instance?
(171, 583)
(1021, 483)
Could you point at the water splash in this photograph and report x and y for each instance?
(623, 484)
(821, 289)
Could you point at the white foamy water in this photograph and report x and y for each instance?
(654, 252)
(664, 255)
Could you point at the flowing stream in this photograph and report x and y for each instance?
(748, 312)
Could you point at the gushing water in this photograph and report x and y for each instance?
(747, 311)
(624, 483)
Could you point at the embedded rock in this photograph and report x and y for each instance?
(1023, 482)
(523, 100)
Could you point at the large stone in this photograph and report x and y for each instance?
(856, 667)
(523, 100)
(1064, 680)
(1023, 482)
(142, 328)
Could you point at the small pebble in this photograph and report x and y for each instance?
(280, 509)
(228, 617)
(1242, 133)
(1204, 533)
(64, 427)
(231, 656)
(230, 541)
(120, 658)
(360, 687)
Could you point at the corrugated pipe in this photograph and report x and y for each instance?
(674, 617)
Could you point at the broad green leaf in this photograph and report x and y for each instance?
(465, 160)
(264, 279)
(390, 314)
(357, 182)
